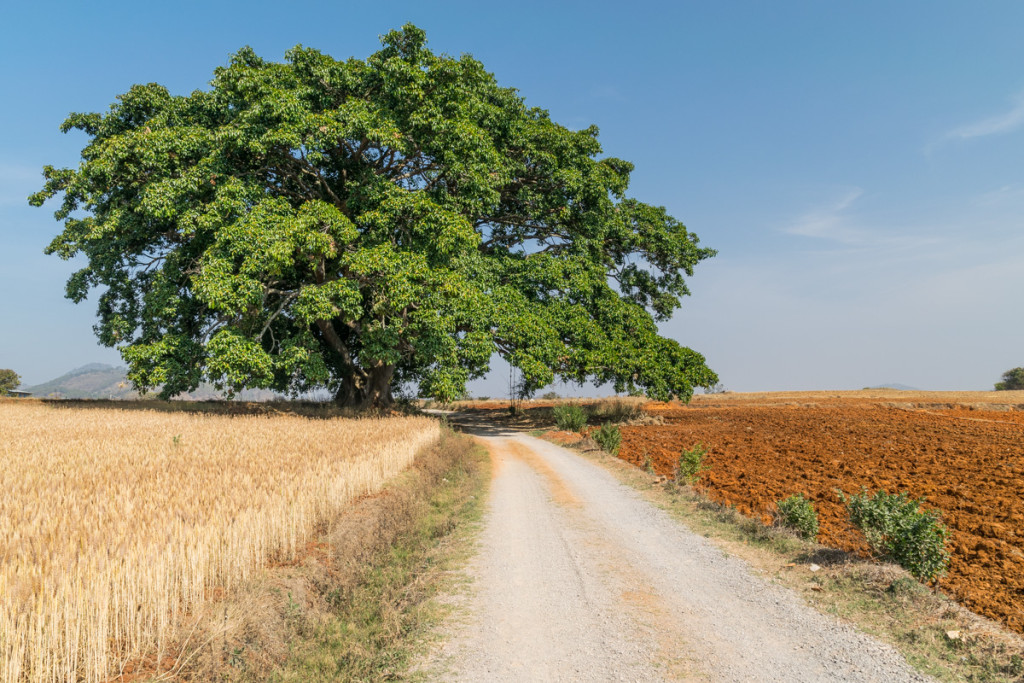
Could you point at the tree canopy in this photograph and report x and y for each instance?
(359, 225)
(9, 381)
(1012, 380)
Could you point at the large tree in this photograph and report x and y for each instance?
(359, 225)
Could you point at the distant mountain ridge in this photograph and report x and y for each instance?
(99, 380)
(896, 386)
(91, 367)
(94, 380)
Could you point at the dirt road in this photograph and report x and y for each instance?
(578, 579)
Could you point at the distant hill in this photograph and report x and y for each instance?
(94, 380)
(97, 380)
(896, 386)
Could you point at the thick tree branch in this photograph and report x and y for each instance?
(336, 343)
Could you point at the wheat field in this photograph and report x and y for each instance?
(115, 525)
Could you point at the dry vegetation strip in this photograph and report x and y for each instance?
(369, 612)
(115, 526)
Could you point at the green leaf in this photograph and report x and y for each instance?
(357, 225)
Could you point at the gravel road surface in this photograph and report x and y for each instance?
(577, 578)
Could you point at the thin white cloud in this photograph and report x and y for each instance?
(848, 318)
(830, 222)
(838, 224)
(993, 125)
(1006, 195)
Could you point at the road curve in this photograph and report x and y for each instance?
(578, 578)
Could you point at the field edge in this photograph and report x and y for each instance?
(357, 605)
(935, 634)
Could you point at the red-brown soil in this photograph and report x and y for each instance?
(963, 451)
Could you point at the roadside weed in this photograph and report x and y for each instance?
(691, 464)
(609, 438)
(570, 417)
(797, 513)
(896, 527)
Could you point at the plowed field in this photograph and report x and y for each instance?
(964, 452)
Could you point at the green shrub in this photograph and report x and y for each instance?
(797, 513)
(570, 417)
(898, 529)
(1012, 380)
(691, 464)
(609, 438)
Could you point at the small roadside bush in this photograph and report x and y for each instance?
(897, 528)
(691, 464)
(570, 417)
(609, 438)
(797, 513)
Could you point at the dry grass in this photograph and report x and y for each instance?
(385, 561)
(116, 526)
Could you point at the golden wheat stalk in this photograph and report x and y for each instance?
(115, 525)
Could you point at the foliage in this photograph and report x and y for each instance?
(9, 380)
(691, 464)
(1012, 380)
(797, 513)
(550, 395)
(609, 438)
(358, 225)
(897, 528)
(570, 417)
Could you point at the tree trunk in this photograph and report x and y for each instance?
(373, 392)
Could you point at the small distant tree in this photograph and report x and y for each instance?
(1012, 380)
(8, 380)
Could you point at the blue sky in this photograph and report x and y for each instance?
(857, 165)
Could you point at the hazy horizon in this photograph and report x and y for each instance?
(481, 387)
